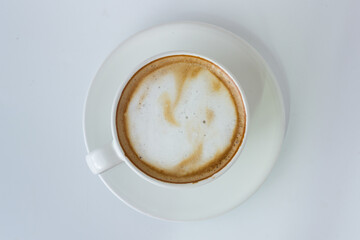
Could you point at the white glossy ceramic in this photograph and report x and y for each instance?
(108, 156)
(265, 134)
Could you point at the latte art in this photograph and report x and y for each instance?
(180, 119)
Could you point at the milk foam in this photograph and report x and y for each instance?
(180, 125)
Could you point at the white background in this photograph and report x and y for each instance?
(51, 50)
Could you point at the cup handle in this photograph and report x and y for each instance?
(102, 159)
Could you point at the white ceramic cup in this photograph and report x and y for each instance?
(110, 155)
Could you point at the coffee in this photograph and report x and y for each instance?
(180, 119)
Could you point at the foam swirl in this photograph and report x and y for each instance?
(180, 119)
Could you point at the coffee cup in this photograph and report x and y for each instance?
(180, 119)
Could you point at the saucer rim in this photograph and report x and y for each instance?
(269, 71)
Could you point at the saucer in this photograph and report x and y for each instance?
(265, 134)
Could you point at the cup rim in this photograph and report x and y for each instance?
(138, 171)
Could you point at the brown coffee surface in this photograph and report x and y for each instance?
(183, 69)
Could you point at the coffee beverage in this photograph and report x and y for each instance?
(180, 119)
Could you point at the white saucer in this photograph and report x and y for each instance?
(265, 136)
